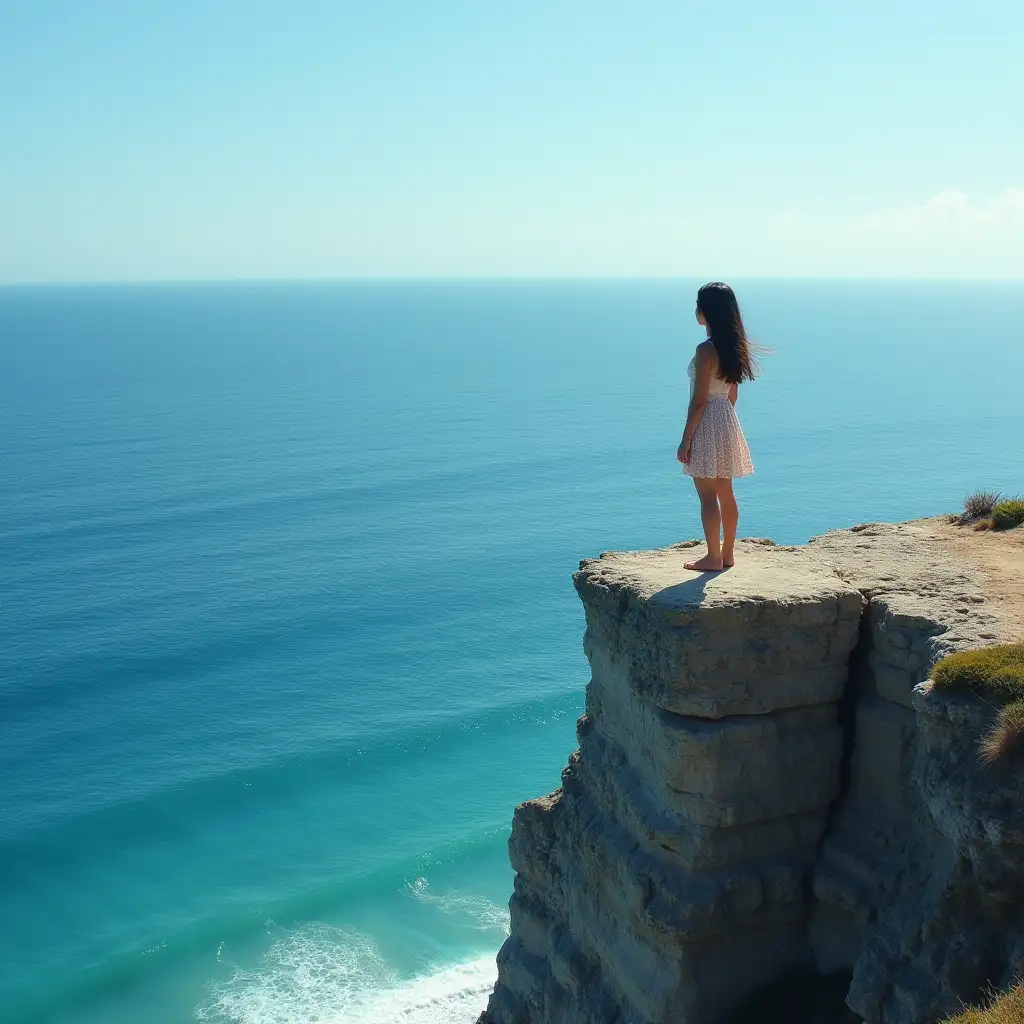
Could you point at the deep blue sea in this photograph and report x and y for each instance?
(287, 624)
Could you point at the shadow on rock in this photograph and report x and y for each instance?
(800, 999)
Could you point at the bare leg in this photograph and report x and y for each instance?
(712, 520)
(730, 519)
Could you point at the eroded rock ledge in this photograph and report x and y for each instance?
(760, 790)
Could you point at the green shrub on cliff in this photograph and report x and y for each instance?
(1008, 514)
(1007, 1010)
(996, 673)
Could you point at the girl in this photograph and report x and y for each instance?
(713, 449)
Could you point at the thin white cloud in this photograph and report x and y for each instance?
(950, 211)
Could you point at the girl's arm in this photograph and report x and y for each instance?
(704, 358)
(734, 393)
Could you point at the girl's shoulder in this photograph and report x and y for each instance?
(705, 351)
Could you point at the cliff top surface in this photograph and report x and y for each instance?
(766, 777)
(999, 556)
(763, 572)
(970, 583)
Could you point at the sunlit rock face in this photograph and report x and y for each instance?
(760, 794)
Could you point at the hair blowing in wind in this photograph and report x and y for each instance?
(736, 363)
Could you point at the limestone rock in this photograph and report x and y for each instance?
(765, 785)
(774, 632)
(680, 844)
(952, 921)
(891, 870)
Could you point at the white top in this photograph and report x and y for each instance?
(717, 388)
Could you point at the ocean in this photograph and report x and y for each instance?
(287, 624)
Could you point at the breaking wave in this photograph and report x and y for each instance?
(319, 974)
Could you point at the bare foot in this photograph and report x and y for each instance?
(728, 559)
(705, 564)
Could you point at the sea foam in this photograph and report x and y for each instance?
(483, 914)
(319, 974)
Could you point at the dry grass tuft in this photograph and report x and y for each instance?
(979, 505)
(1006, 735)
(1006, 1010)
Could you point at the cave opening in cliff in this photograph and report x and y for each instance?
(801, 998)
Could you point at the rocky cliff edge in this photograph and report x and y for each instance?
(765, 788)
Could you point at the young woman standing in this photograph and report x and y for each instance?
(713, 450)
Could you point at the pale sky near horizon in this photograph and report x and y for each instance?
(233, 139)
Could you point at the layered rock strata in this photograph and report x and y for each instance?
(667, 879)
(762, 785)
(917, 887)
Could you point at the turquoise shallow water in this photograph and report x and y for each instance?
(287, 619)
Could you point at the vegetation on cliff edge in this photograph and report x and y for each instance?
(1008, 514)
(994, 673)
(1007, 1010)
(989, 510)
(979, 505)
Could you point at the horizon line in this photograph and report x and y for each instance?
(493, 278)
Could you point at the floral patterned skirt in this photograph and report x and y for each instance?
(719, 448)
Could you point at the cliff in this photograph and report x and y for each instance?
(763, 791)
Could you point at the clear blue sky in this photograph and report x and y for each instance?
(187, 140)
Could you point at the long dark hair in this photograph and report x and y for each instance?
(736, 361)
